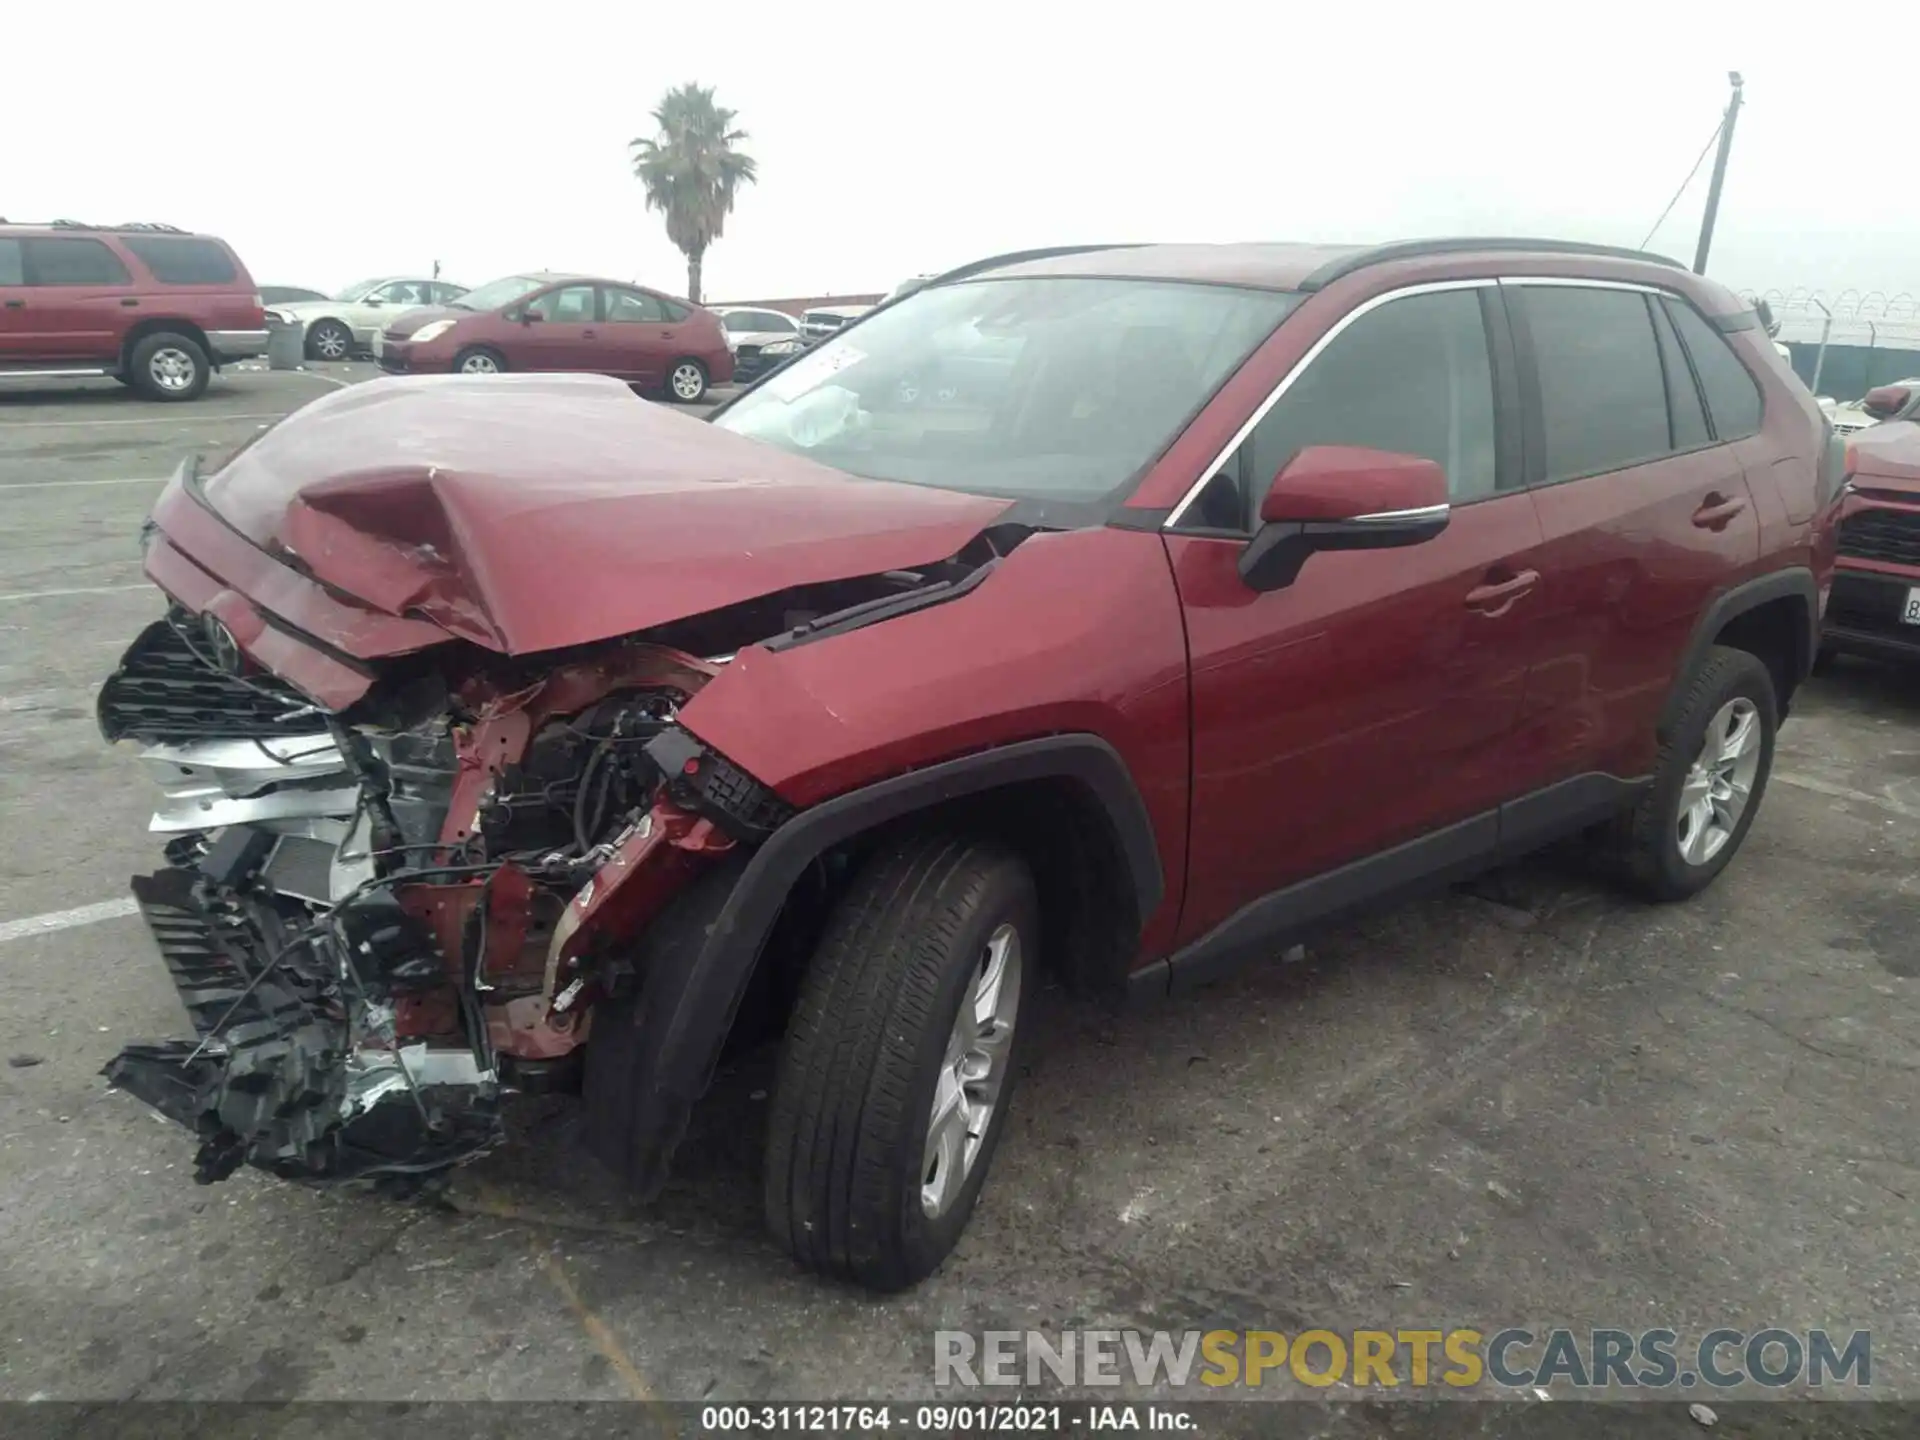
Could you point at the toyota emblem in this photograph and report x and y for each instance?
(226, 649)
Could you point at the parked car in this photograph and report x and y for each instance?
(288, 294)
(1875, 606)
(345, 324)
(151, 305)
(750, 331)
(600, 739)
(579, 323)
(824, 320)
(1883, 403)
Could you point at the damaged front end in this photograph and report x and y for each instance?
(382, 919)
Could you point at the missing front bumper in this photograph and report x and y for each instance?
(288, 1072)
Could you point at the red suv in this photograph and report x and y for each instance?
(1875, 609)
(521, 736)
(571, 323)
(152, 306)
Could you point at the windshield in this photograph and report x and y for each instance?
(1045, 389)
(496, 293)
(356, 290)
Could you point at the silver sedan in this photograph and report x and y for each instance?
(346, 324)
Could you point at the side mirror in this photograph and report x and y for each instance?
(373, 300)
(1342, 497)
(1887, 401)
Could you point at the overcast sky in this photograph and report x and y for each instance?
(332, 141)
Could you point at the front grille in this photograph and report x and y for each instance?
(203, 970)
(164, 694)
(1890, 536)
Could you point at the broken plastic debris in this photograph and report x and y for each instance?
(1703, 1413)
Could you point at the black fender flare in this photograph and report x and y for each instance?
(1793, 582)
(698, 957)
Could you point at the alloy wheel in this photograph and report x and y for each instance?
(972, 1072)
(171, 368)
(688, 382)
(479, 365)
(1719, 781)
(332, 342)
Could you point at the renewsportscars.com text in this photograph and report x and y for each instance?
(1460, 1358)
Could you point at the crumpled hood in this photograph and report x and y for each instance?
(533, 512)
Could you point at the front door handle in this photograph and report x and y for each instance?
(129, 301)
(1496, 597)
(1716, 512)
(588, 334)
(16, 304)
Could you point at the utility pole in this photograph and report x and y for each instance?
(1719, 177)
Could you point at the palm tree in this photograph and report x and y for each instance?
(692, 171)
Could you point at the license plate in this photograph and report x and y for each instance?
(1911, 615)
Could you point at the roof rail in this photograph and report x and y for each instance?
(1413, 249)
(129, 225)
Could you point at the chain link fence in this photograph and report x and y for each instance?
(1845, 343)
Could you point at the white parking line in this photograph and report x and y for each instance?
(64, 484)
(179, 422)
(66, 919)
(84, 590)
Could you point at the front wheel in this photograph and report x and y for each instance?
(687, 381)
(900, 1060)
(1708, 783)
(329, 340)
(479, 360)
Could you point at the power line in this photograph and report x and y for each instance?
(1684, 183)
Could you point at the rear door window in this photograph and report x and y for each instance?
(1733, 397)
(633, 307)
(11, 272)
(1603, 395)
(183, 259)
(74, 262)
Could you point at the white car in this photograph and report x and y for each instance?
(346, 324)
(746, 325)
(1851, 418)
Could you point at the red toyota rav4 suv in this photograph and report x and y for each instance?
(150, 305)
(1875, 609)
(516, 731)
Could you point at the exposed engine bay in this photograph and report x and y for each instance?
(379, 922)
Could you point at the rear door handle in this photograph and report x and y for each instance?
(588, 334)
(1716, 512)
(16, 304)
(1496, 597)
(129, 301)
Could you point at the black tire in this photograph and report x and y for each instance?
(473, 352)
(866, 1044)
(329, 340)
(693, 397)
(166, 354)
(1824, 660)
(1646, 841)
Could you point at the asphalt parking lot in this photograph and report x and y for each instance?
(1536, 1104)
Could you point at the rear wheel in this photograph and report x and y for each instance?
(900, 1060)
(479, 360)
(329, 340)
(167, 366)
(687, 381)
(1708, 783)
